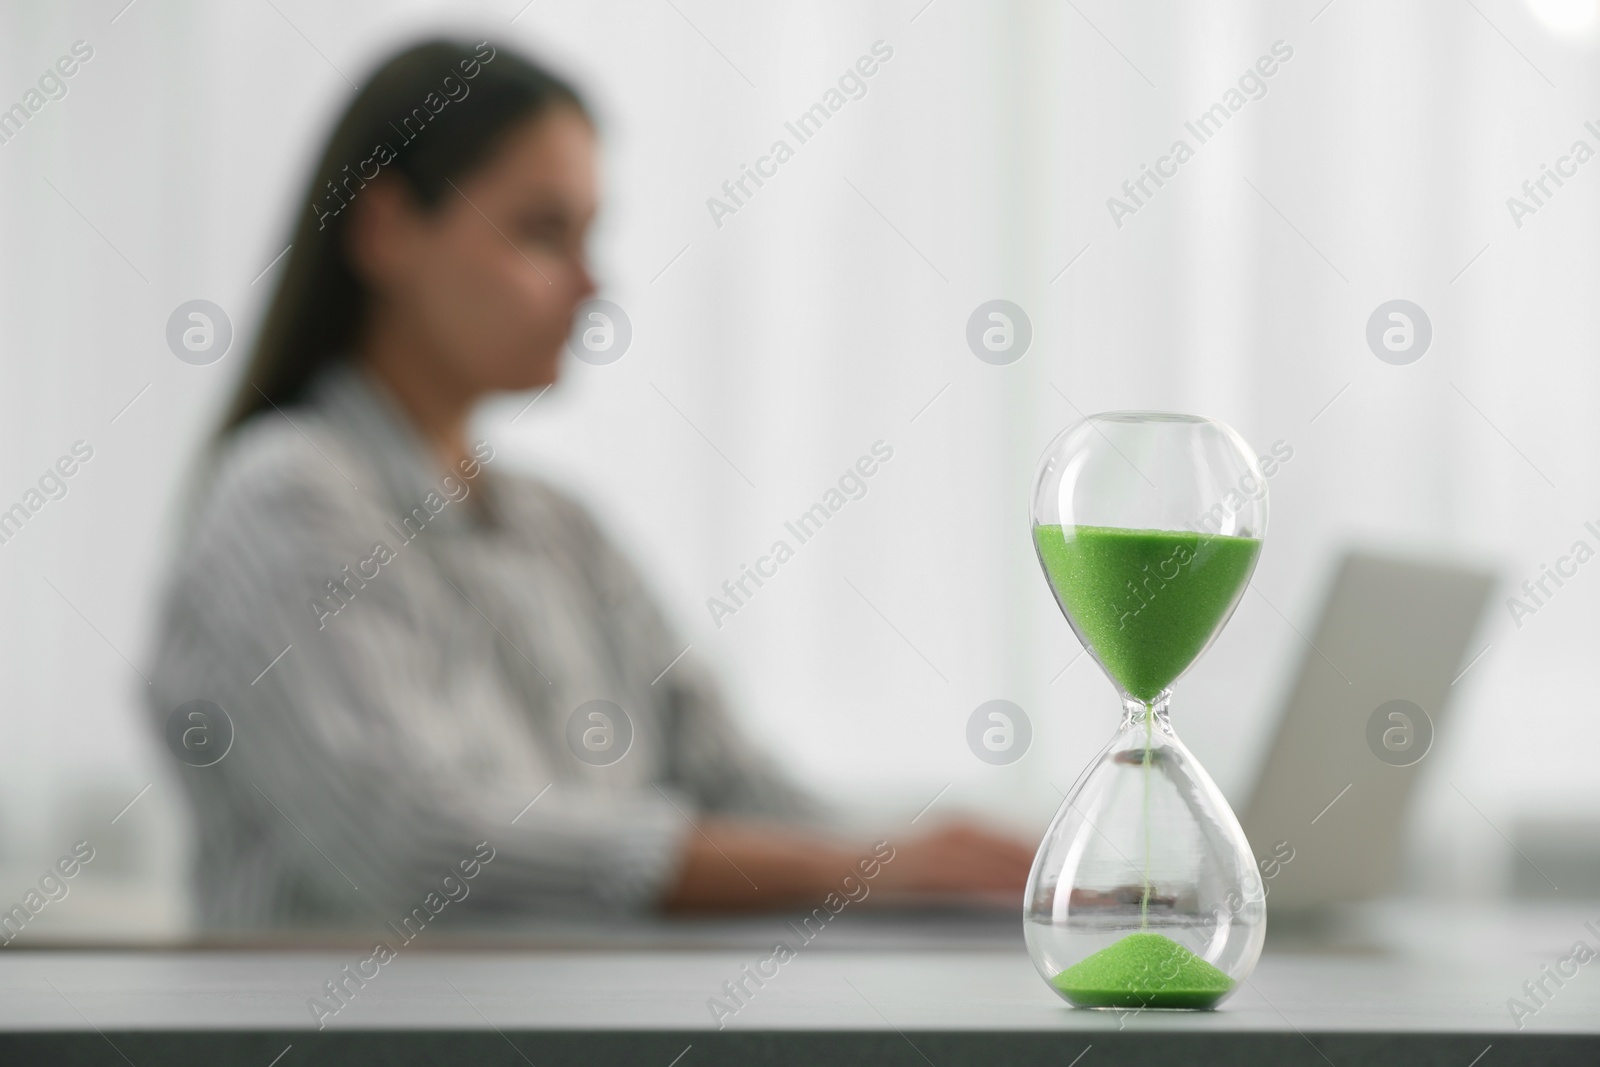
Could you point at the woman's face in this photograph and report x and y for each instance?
(489, 280)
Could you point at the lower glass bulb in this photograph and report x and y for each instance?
(1144, 893)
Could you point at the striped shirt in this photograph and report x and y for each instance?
(409, 661)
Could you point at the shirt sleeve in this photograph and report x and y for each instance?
(329, 803)
(711, 757)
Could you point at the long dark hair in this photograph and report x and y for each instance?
(427, 115)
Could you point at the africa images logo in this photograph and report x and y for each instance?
(411, 127)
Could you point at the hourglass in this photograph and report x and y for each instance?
(1144, 893)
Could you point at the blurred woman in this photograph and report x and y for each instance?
(434, 664)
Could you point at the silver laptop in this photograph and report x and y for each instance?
(1372, 693)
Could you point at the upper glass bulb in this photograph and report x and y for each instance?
(1148, 526)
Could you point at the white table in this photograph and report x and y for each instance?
(463, 1000)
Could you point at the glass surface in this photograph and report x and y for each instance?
(1144, 893)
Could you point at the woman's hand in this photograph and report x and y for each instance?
(962, 857)
(738, 865)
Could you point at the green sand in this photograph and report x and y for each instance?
(1143, 971)
(1147, 601)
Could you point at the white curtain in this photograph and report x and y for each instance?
(829, 313)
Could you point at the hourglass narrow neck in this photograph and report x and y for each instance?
(1137, 713)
